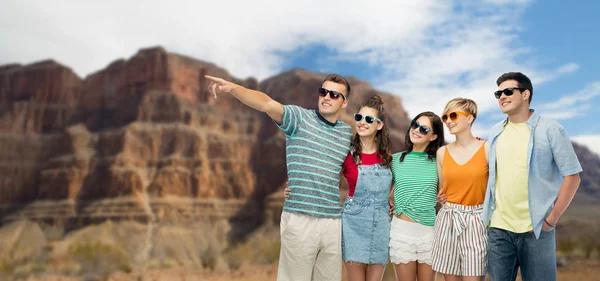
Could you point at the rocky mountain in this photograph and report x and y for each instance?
(585, 204)
(590, 177)
(142, 139)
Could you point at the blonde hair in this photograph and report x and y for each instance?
(468, 105)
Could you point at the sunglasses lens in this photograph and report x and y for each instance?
(322, 92)
(507, 92)
(453, 116)
(357, 117)
(334, 95)
(414, 125)
(422, 130)
(369, 119)
(444, 118)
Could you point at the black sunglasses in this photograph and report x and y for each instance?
(424, 130)
(369, 119)
(507, 92)
(332, 94)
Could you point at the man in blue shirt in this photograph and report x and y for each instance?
(533, 176)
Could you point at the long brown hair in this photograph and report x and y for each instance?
(438, 129)
(382, 137)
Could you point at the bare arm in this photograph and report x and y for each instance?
(487, 150)
(255, 99)
(286, 191)
(565, 195)
(391, 199)
(568, 165)
(441, 198)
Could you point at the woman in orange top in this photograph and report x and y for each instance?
(460, 244)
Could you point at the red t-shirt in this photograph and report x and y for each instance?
(351, 170)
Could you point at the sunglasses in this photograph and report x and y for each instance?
(369, 119)
(507, 92)
(453, 115)
(332, 94)
(424, 130)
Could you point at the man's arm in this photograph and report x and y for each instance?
(566, 193)
(566, 160)
(255, 99)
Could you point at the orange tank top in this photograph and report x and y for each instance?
(465, 184)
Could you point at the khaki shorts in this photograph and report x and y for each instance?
(311, 248)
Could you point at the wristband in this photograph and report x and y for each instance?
(546, 220)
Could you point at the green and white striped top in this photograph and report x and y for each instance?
(315, 151)
(415, 186)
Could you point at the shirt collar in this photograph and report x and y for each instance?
(325, 120)
(531, 122)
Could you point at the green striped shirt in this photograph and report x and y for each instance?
(415, 186)
(315, 152)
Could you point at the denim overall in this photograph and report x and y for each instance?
(366, 219)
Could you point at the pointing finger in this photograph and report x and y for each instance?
(215, 79)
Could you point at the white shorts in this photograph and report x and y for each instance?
(410, 241)
(311, 248)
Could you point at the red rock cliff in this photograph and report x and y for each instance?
(145, 129)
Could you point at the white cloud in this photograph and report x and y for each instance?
(568, 68)
(508, 1)
(572, 105)
(242, 36)
(591, 141)
(429, 51)
(466, 63)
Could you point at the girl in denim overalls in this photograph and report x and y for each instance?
(365, 214)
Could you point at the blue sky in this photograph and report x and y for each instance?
(556, 35)
(426, 51)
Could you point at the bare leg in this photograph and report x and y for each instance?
(473, 278)
(375, 272)
(425, 272)
(406, 272)
(356, 271)
(452, 277)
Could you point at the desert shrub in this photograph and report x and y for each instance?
(53, 232)
(98, 260)
(566, 246)
(19, 269)
(210, 256)
(6, 269)
(269, 250)
(261, 248)
(578, 237)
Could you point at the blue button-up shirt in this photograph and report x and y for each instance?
(550, 157)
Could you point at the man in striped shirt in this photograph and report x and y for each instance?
(316, 145)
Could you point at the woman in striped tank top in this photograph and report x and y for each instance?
(414, 198)
(460, 247)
